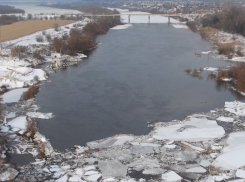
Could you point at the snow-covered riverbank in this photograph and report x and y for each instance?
(200, 147)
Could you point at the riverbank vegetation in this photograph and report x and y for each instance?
(236, 74)
(31, 92)
(11, 11)
(85, 39)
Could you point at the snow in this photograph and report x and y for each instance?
(210, 69)
(39, 115)
(146, 144)
(196, 170)
(19, 122)
(227, 79)
(206, 52)
(180, 26)
(240, 173)
(225, 119)
(170, 146)
(232, 156)
(13, 95)
(235, 107)
(120, 27)
(171, 177)
(10, 115)
(192, 129)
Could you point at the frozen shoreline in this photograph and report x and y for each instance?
(195, 148)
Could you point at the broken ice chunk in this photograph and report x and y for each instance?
(171, 176)
(225, 119)
(114, 141)
(112, 168)
(232, 156)
(94, 177)
(170, 146)
(193, 130)
(62, 179)
(196, 170)
(153, 171)
(75, 178)
(205, 163)
(240, 173)
(88, 173)
(88, 168)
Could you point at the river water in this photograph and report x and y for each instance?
(135, 76)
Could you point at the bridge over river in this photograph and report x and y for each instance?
(149, 15)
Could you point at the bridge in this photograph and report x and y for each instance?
(149, 15)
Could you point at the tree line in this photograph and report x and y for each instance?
(85, 39)
(230, 19)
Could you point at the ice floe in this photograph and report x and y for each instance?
(232, 156)
(39, 115)
(225, 119)
(235, 107)
(120, 27)
(13, 95)
(202, 128)
(19, 122)
(171, 177)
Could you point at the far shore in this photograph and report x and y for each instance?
(23, 28)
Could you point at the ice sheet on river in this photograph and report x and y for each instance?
(113, 141)
(235, 107)
(13, 95)
(193, 130)
(232, 156)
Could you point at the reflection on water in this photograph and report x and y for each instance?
(136, 75)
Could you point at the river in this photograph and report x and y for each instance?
(135, 76)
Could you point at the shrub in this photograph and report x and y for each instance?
(18, 49)
(44, 32)
(227, 50)
(48, 37)
(239, 53)
(56, 27)
(41, 149)
(31, 129)
(192, 25)
(31, 92)
(37, 55)
(237, 73)
(39, 38)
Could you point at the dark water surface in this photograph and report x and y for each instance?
(136, 75)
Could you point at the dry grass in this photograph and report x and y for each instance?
(207, 32)
(22, 28)
(31, 92)
(18, 49)
(237, 73)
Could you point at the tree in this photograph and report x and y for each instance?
(29, 16)
(56, 27)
